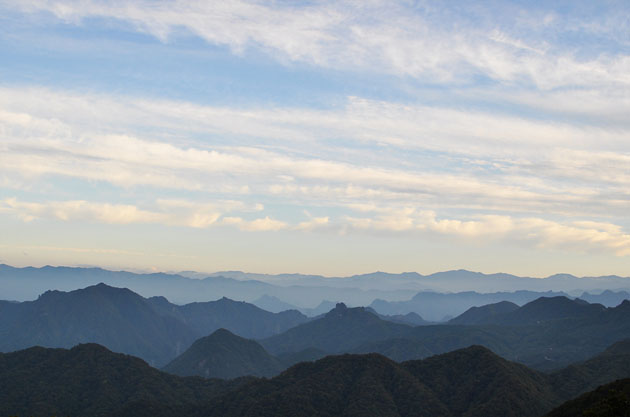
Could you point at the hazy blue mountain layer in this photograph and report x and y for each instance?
(547, 333)
(123, 321)
(306, 292)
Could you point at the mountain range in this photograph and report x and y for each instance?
(89, 380)
(152, 329)
(435, 306)
(547, 333)
(307, 292)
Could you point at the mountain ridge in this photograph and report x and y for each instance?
(89, 380)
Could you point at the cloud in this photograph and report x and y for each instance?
(504, 42)
(313, 223)
(165, 212)
(79, 210)
(258, 225)
(441, 157)
(576, 236)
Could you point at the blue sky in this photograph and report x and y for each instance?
(317, 137)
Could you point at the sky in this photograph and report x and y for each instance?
(320, 137)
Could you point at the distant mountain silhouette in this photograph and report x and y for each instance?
(225, 355)
(239, 317)
(322, 308)
(273, 304)
(541, 310)
(484, 314)
(153, 329)
(309, 290)
(115, 317)
(411, 319)
(607, 298)
(549, 308)
(548, 333)
(342, 328)
(435, 306)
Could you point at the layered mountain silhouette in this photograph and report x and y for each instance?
(607, 298)
(340, 330)
(548, 333)
(546, 309)
(123, 321)
(273, 304)
(308, 290)
(114, 317)
(539, 311)
(225, 355)
(484, 314)
(435, 306)
(89, 380)
(411, 319)
(242, 318)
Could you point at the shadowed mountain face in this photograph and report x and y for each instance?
(612, 364)
(225, 355)
(610, 400)
(367, 385)
(89, 380)
(474, 381)
(120, 319)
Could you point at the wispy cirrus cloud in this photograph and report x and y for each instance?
(420, 39)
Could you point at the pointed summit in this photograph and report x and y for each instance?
(224, 355)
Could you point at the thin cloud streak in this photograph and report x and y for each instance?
(579, 236)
